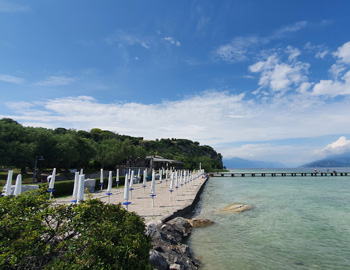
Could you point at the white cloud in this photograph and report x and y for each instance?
(55, 81)
(211, 117)
(237, 49)
(343, 53)
(320, 51)
(279, 76)
(122, 38)
(293, 53)
(11, 79)
(336, 70)
(340, 146)
(333, 88)
(143, 44)
(321, 54)
(240, 48)
(172, 41)
(340, 83)
(288, 29)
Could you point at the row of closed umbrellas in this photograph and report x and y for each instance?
(176, 178)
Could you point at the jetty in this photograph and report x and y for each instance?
(277, 174)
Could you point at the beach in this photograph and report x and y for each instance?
(166, 205)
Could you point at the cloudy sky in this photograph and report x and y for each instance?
(260, 80)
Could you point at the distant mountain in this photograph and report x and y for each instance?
(245, 164)
(342, 160)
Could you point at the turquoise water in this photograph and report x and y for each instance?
(296, 223)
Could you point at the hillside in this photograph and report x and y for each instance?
(67, 148)
(342, 160)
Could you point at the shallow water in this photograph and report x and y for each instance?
(296, 223)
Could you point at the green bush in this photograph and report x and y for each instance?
(63, 188)
(34, 234)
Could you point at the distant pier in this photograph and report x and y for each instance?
(277, 174)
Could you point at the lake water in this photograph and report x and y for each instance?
(295, 223)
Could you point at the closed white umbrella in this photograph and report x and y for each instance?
(18, 187)
(176, 182)
(181, 178)
(153, 188)
(160, 176)
(81, 171)
(8, 190)
(76, 187)
(52, 182)
(81, 188)
(138, 176)
(144, 180)
(153, 182)
(117, 178)
(109, 187)
(131, 183)
(101, 179)
(171, 185)
(126, 192)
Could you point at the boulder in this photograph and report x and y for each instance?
(158, 261)
(90, 185)
(196, 222)
(236, 208)
(168, 246)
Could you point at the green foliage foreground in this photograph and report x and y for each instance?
(35, 234)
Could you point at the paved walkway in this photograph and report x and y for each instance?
(165, 204)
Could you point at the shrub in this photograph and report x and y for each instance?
(34, 234)
(63, 188)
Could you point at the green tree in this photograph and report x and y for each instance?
(35, 234)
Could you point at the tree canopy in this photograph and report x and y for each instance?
(67, 148)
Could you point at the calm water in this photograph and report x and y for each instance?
(296, 223)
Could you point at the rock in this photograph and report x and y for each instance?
(196, 222)
(90, 184)
(176, 267)
(236, 208)
(181, 225)
(167, 243)
(158, 261)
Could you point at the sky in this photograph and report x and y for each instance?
(260, 80)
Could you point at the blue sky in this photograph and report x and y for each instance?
(261, 80)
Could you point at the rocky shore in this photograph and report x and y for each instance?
(169, 250)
